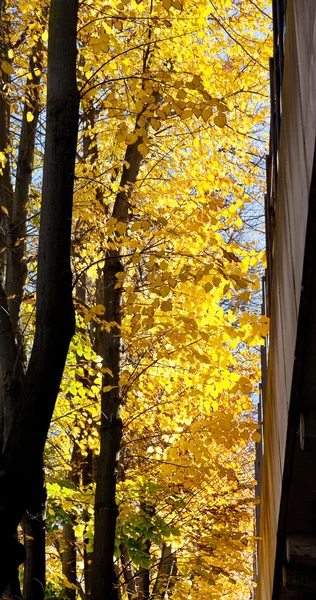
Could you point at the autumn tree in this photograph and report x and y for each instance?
(153, 416)
(28, 399)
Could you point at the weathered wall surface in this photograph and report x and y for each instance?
(298, 132)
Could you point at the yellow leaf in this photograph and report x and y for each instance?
(131, 138)
(145, 225)
(45, 36)
(136, 258)
(187, 113)
(164, 290)
(181, 94)
(139, 106)
(121, 227)
(143, 149)
(166, 305)
(118, 24)
(29, 116)
(7, 67)
(166, 4)
(222, 107)
(245, 296)
(67, 583)
(4, 209)
(148, 323)
(220, 120)
(207, 113)
(155, 124)
(108, 388)
(256, 437)
(99, 309)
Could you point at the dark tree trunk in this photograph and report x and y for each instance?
(144, 573)
(144, 577)
(111, 425)
(111, 430)
(167, 571)
(5, 179)
(33, 521)
(103, 576)
(54, 307)
(16, 264)
(8, 350)
(128, 573)
(34, 541)
(69, 558)
(69, 555)
(13, 589)
(87, 479)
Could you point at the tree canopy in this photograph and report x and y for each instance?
(132, 140)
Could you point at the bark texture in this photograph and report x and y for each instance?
(54, 308)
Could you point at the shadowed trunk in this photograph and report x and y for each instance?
(8, 350)
(5, 179)
(16, 265)
(128, 573)
(144, 573)
(34, 519)
(34, 541)
(167, 571)
(87, 479)
(54, 307)
(111, 425)
(69, 555)
(144, 577)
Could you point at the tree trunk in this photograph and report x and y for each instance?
(69, 555)
(54, 307)
(87, 479)
(144, 573)
(34, 541)
(34, 518)
(5, 179)
(166, 570)
(144, 577)
(111, 425)
(16, 265)
(13, 589)
(8, 351)
(129, 577)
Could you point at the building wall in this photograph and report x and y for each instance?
(298, 133)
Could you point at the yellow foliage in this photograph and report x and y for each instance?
(180, 84)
